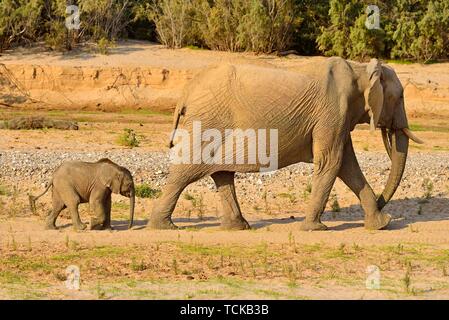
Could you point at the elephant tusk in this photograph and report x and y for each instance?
(411, 136)
(386, 137)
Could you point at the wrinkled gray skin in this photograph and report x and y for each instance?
(76, 182)
(314, 110)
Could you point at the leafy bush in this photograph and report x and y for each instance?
(104, 18)
(104, 45)
(19, 21)
(410, 29)
(146, 191)
(415, 30)
(268, 26)
(128, 138)
(253, 25)
(4, 191)
(173, 20)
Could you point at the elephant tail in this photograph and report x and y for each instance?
(32, 199)
(180, 111)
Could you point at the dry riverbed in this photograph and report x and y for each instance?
(273, 260)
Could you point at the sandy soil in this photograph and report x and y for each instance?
(274, 260)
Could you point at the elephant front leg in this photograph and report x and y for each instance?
(351, 174)
(98, 220)
(101, 205)
(160, 217)
(326, 167)
(232, 218)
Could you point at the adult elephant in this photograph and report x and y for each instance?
(314, 113)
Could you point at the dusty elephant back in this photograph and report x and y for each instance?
(256, 97)
(245, 96)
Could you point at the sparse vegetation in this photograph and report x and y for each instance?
(290, 196)
(138, 265)
(407, 280)
(197, 203)
(427, 187)
(146, 191)
(335, 206)
(4, 191)
(104, 45)
(128, 139)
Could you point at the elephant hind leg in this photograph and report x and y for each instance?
(58, 206)
(179, 178)
(232, 218)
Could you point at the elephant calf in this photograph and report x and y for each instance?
(76, 182)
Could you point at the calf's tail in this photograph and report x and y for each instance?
(33, 199)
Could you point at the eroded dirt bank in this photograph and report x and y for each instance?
(143, 75)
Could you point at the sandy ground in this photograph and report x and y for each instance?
(274, 260)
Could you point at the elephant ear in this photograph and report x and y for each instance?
(117, 181)
(374, 94)
(111, 177)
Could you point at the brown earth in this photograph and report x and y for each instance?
(274, 260)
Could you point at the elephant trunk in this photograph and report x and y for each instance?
(132, 200)
(396, 144)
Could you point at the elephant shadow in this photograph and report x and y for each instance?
(197, 223)
(122, 225)
(403, 211)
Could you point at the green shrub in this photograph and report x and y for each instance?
(20, 21)
(414, 30)
(267, 26)
(128, 138)
(146, 191)
(173, 20)
(220, 23)
(4, 191)
(104, 45)
(249, 25)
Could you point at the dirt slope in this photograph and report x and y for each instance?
(144, 75)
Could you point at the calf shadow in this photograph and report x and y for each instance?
(122, 225)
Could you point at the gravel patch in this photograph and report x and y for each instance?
(152, 167)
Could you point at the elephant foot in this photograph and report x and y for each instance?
(377, 221)
(236, 224)
(80, 226)
(312, 226)
(161, 224)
